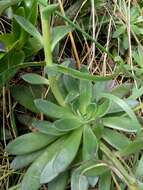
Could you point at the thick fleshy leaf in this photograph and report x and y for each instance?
(93, 181)
(76, 74)
(132, 148)
(72, 95)
(100, 87)
(65, 125)
(35, 79)
(28, 27)
(52, 110)
(29, 143)
(114, 108)
(90, 111)
(115, 139)
(96, 170)
(58, 33)
(12, 58)
(125, 108)
(63, 158)
(7, 3)
(120, 123)
(85, 93)
(122, 90)
(103, 108)
(25, 95)
(24, 160)
(48, 10)
(46, 127)
(71, 84)
(90, 144)
(80, 176)
(105, 181)
(31, 179)
(59, 183)
(79, 181)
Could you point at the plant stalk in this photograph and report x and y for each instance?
(48, 56)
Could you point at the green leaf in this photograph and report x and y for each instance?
(71, 84)
(136, 93)
(48, 10)
(62, 158)
(90, 144)
(115, 139)
(25, 95)
(95, 170)
(119, 31)
(31, 10)
(24, 160)
(52, 110)
(103, 108)
(29, 143)
(78, 181)
(47, 128)
(105, 181)
(7, 3)
(59, 183)
(43, 2)
(72, 95)
(132, 148)
(28, 27)
(100, 87)
(65, 125)
(11, 59)
(85, 94)
(76, 74)
(31, 179)
(120, 123)
(125, 107)
(58, 33)
(35, 79)
(122, 90)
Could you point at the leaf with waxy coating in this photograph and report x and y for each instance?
(25, 95)
(59, 183)
(125, 108)
(85, 93)
(65, 125)
(31, 179)
(115, 139)
(62, 158)
(47, 127)
(105, 181)
(78, 181)
(132, 148)
(29, 143)
(35, 79)
(76, 74)
(52, 110)
(90, 144)
(29, 27)
(24, 160)
(120, 123)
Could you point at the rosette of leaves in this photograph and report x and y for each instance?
(80, 140)
(86, 128)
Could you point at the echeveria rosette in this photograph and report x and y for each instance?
(72, 141)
